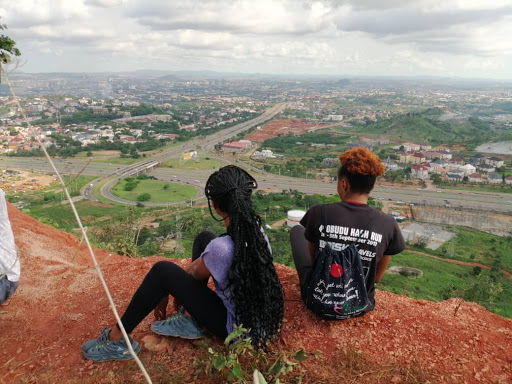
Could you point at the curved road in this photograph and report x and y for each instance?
(500, 202)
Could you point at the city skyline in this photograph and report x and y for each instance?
(357, 38)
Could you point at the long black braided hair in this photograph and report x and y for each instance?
(255, 289)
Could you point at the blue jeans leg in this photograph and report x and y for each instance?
(7, 288)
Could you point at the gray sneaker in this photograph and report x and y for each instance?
(178, 325)
(103, 349)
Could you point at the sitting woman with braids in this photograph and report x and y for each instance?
(247, 289)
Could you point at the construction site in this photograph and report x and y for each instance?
(21, 181)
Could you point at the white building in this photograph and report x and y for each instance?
(334, 118)
(468, 169)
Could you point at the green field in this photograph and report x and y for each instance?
(470, 245)
(440, 278)
(436, 275)
(204, 163)
(156, 188)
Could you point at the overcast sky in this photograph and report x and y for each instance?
(467, 38)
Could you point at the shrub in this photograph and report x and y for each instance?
(129, 186)
(144, 197)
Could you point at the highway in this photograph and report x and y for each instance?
(500, 202)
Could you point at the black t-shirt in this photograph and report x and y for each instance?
(374, 233)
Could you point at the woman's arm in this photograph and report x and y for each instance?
(198, 270)
(381, 267)
(312, 251)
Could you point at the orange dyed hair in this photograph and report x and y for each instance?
(361, 161)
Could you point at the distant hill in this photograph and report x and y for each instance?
(429, 128)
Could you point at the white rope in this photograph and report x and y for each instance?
(84, 234)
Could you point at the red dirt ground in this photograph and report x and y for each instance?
(59, 304)
(283, 128)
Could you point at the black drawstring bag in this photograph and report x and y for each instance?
(336, 289)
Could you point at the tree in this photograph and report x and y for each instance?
(7, 49)
(144, 197)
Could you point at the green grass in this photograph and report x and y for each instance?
(423, 126)
(175, 192)
(473, 246)
(202, 164)
(438, 276)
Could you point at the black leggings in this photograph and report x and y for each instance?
(166, 278)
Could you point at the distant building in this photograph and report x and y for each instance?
(100, 110)
(430, 155)
(494, 178)
(468, 169)
(417, 158)
(408, 147)
(443, 154)
(487, 168)
(508, 180)
(334, 118)
(495, 161)
(264, 154)
(477, 159)
(454, 177)
(475, 178)
(391, 165)
(236, 146)
(456, 160)
(420, 172)
(405, 157)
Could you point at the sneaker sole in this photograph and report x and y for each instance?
(178, 336)
(125, 357)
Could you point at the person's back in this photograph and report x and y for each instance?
(340, 224)
(351, 221)
(9, 261)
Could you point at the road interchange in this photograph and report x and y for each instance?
(499, 202)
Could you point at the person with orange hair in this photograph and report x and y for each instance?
(350, 221)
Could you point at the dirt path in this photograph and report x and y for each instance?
(465, 263)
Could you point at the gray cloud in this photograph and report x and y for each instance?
(405, 21)
(300, 36)
(243, 17)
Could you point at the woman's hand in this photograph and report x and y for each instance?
(161, 309)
